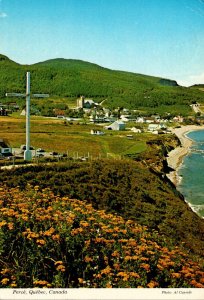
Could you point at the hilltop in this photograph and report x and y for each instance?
(68, 78)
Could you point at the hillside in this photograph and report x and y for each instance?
(68, 78)
(120, 187)
(58, 242)
(199, 87)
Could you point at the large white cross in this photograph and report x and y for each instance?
(28, 152)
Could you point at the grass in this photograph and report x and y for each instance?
(56, 135)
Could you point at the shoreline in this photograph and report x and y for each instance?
(175, 157)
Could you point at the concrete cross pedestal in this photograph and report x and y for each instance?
(28, 152)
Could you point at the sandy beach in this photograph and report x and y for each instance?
(175, 157)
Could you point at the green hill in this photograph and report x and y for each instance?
(68, 78)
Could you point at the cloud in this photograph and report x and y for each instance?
(192, 79)
(3, 15)
(198, 78)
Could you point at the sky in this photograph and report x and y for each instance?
(163, 38)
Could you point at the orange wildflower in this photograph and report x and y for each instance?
(60, 268)
(152, 284)
(176, 275)
(150, 252)
(123, 240)
(2, 223)
(40, 241)
(107, 270)
(10, 226)
(33, 235)
(80, 280)
(91, 219)
(145, 259)
(135, 257)
(4, 281)
(24, 217)
(55, 237)
(121, 274)
(76, 231)
(4, 271)
(128, 257)
(40, 282)
(108, 285)
(115, 254)
(132, 243)
(58, 262)
(188, 275)
(196, 284)
(202, 280)
(125, 278)
(84, 224)
(134, 274)
(145, 266)
(88, 259)
(49, 232)
(160, 267)
(13, 285)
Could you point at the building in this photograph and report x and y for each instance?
(156, 127)
(178, 119)
(136, 130)
(85, 103)
(117, 125)
(140, 120)
(80, 102)
(96, 132)
(127, 118)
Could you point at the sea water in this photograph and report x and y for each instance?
(191, 173)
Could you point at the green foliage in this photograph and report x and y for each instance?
(125, 187)
(55, 242)
(70, 78)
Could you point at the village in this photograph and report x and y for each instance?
(102, 119)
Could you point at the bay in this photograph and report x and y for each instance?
(191, 173)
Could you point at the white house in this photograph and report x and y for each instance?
(140, 120)
(178, 119)
(96, 132)
(156, 127)
(136, 130)
(117, 125)
(127, 118)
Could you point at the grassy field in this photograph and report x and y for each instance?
(57, 135)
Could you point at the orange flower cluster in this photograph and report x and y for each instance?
(61, 242)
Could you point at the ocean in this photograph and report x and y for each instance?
(191, 173)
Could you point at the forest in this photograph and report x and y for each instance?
(68, 79)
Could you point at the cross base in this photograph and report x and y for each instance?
(28, 155)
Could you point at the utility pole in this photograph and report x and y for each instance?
(27, 152)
